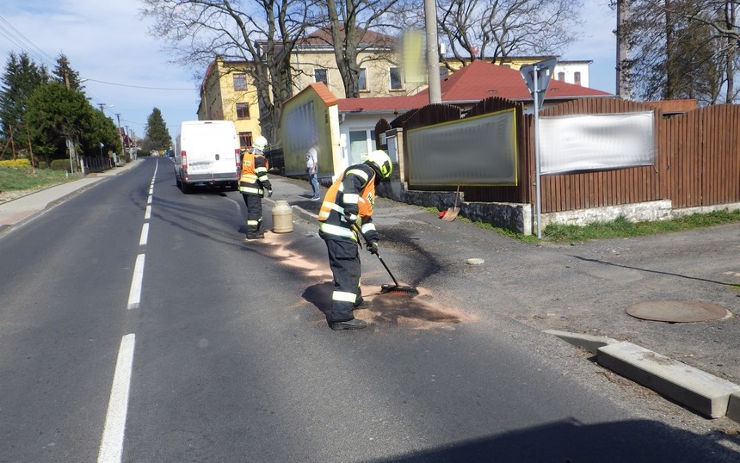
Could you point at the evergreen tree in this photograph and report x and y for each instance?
(54, 114)
(157, 135)
(67, 76)
(22, 76)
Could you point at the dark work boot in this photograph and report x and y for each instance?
(361, 304)
(353, 324)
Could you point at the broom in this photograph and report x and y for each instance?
(395, 288)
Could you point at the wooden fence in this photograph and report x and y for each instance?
(697, 161)
(702, 150)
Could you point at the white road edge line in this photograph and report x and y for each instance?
(144, 234)
(111, 444)
(134, 295)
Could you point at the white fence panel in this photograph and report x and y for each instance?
(596, 142)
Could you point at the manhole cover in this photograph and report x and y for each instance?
(677, 311)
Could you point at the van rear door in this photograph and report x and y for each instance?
(212, 150)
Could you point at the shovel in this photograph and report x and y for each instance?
(452, 212)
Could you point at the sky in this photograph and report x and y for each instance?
(129, 72)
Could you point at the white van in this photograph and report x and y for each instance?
(207, 153)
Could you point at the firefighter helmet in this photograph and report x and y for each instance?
(381, 162)
(260, 143)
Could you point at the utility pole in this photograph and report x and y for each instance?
(69, 141)
(118, 116)
(430, 19)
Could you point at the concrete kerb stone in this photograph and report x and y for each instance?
(733, 408)
(695, 389)
(584, 341)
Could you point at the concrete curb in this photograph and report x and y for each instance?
(733, 408)
(695, 389)
(584, 341)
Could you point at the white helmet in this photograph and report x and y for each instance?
(381, 162)
(260, 143)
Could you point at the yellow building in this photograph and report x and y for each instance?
(227, 93)
(381, 72)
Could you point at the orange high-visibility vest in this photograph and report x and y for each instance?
(254, 174)
(354, 190)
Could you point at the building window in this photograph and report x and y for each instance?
(319, 74)
(561, 76)
(245, 140)
(240, 81)
(362, 80)
(577, 78)
(443, 72)
(242, 110)
(396, 82)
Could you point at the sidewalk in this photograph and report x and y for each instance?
(21, 209)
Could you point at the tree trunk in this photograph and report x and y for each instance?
(730, 19)
(623, 85)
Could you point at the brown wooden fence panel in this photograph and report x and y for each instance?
(703, 146)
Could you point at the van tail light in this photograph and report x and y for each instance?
(238, 157)
(184, 160)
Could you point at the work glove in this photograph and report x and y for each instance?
(372, 246)
(269, 193)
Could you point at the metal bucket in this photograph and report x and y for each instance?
(282, 217)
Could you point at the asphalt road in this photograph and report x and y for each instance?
(230, 359)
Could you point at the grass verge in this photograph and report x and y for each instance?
(22, 178)
(621, 227)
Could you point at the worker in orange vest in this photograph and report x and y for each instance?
(254, 185)
(347, 210)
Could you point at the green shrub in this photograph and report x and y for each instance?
(59, 164)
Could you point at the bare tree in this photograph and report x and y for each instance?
(261, 33)
(349, 23)
(496, 29)
(684, 49)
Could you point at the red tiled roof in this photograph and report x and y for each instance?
(323, 37)
(475, 82)
(324, 93)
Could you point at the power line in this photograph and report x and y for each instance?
(22, 41)
(139, 86)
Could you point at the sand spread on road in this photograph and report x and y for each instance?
(422, 312)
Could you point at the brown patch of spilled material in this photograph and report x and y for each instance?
(421, 312)
(418, 313)
(279, 249)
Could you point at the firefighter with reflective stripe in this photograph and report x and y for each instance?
(346, 210)
(254, 185)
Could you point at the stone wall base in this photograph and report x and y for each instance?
(521, 218)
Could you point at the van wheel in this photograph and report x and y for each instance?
(185, 187)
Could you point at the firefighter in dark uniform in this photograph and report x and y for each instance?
(347, 209)
(254, 185)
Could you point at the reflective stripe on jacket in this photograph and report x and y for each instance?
(254, 174)
(353, 195)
